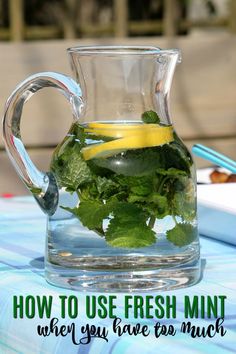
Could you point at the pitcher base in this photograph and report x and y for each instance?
(124, 281)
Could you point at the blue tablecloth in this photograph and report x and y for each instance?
(22, 233)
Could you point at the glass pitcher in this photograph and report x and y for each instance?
(120, 193)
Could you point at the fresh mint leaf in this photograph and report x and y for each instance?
(97, 138)
(150, 117)
(133, 198)
(182, 234)
(158, 199)
(68, 164)
(106, 187)
(141, 189)
(88, 192)
(158, 205)
(184, 200)
(128, 227)
(91, 213)
(139, 185)
(172, 172)
(155, 211)
(176, 156)
(77, 131)
(118, 197)
(155, 204)
(118, 235)
(71, 170)
(130, 213)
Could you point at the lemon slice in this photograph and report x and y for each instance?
(145, 139)
(119, 132)
(114, 126)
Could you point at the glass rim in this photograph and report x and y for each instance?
(120, 50)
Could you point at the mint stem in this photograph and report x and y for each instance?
(99, 231)
(175, 220)
(164, 179)
(151, 222)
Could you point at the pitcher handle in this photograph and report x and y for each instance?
(42, 185)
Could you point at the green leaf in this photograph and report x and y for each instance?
(135, 238)
(106, 187)
(158, 199)
(150, 117)
(158, 204)
(172, 172)
(97, 138)
(184, 199)
(133, 198)
(141, 190)
(130, 213)
(154, 204)
(118, 197)
(129, 234)
(68, 164)
(91, 213)
(182, 234)
(176, 156)
(77, 131)
(128, 228)
(72, 171)
(139, 185)
(89, 192)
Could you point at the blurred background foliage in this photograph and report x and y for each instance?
(47, 19)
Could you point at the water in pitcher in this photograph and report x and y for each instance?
(127, 204)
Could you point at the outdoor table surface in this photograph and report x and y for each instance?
(22, 245)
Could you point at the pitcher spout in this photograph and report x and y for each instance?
(166, 64)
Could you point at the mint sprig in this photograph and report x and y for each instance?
(150, 117)
(182, 234)
(131, 191)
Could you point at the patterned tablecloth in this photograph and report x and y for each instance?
(22, 232)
